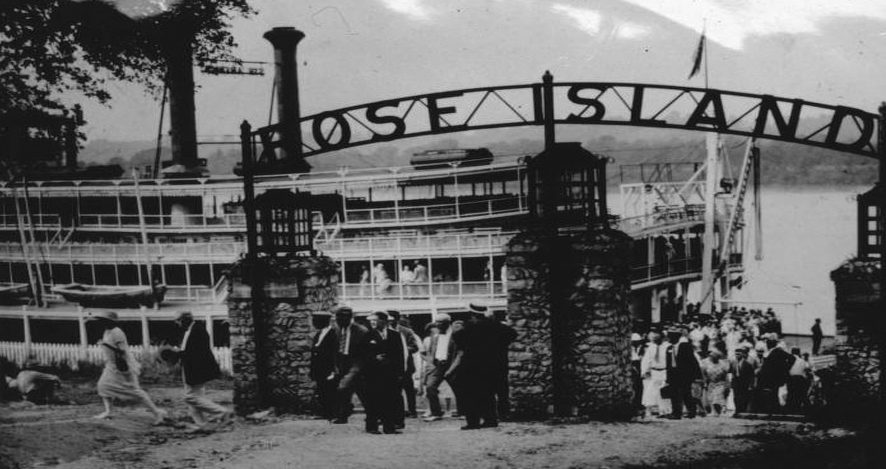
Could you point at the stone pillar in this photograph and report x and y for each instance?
(572, 350)
(295, 289)
(529, 313)
(597, 359)
(856, 387)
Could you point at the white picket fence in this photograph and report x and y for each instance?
(72, 355)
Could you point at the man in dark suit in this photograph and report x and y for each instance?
(344, 346)
(773, 374)
(440, 355)
(477, 359)
(504, 335)
(408, 385)
(743, 375)
(385, 367)
(682, 370)
(198, 367)
(323, 370)
(817, 335)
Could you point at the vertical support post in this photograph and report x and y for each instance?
(146, 332)
(548, 102)
(26, 322)
(654, 305)
(81, 329)
(253, 273)
(758, 206)
(248, 191)
(141, 224)
(455, 189)
(707, 273)
(210, 330)
(881, 233)
(684, 290)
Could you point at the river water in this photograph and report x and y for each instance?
(807, 233)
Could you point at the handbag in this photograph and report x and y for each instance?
(119, 358)
(120, 361)
(667, 392)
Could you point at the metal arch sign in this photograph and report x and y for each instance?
(839, 128)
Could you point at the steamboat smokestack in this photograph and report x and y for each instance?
(285, 41)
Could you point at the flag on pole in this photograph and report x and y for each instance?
(699, 53)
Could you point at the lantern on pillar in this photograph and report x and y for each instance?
(870, 229)
(284, 222)
(567, 186)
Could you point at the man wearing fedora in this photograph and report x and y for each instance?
(412, 341)
(439, 357)
(337, 361)
(386, 352)
(503, 336)
(682, 369)
(477, 359)
(198, 367)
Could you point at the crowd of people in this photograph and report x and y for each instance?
(731, 362)
(378, 365)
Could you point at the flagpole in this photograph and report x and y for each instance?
(704, 29)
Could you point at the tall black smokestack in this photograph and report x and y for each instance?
(285, 41)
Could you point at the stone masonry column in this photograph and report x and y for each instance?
(295, 290)
(597, 361)
(856, 387)
(529, 313)
(572, 351)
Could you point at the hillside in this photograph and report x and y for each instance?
(783, 164)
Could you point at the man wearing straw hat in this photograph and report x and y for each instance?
(198, 367)
(440, 356)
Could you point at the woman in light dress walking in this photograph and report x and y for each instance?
(716, 379)
(119, 379)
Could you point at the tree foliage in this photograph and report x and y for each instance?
(48, 47)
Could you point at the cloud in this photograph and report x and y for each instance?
(587, 20)
(629, 30)
(142, 8)
(414, 9)
(731, 22)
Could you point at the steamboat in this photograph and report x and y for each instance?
(425, 237)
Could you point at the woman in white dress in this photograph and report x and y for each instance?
(653, 369)
(382, 281)
(119, 379)
(407, 278)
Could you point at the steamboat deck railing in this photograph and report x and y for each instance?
(132, 253)
(424, 290)
(416, 245)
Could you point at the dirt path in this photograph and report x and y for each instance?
(65, 437)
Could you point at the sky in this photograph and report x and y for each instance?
(359, 51)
